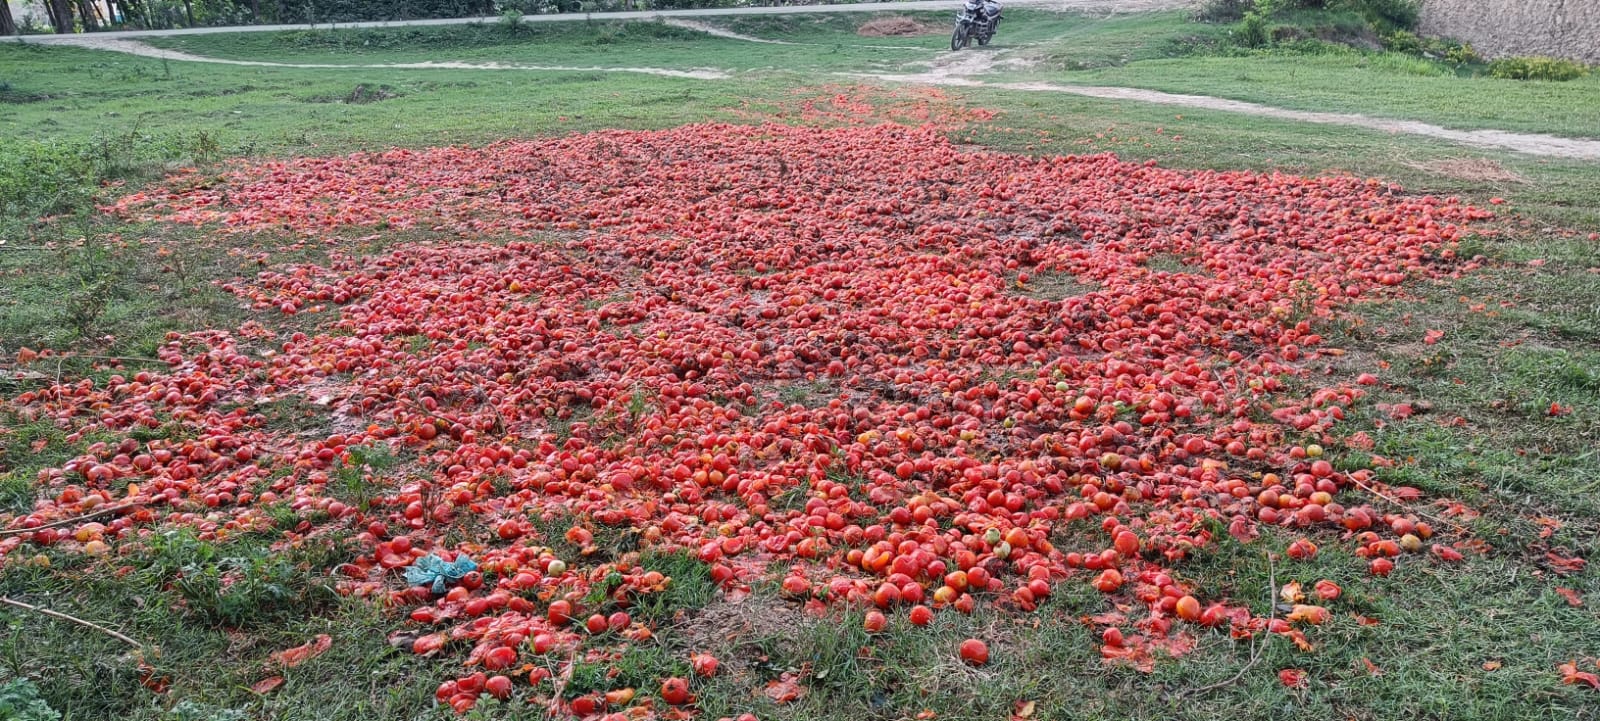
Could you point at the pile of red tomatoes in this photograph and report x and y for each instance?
(829, 358)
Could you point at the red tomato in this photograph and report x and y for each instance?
(675, 691)
(974, 652)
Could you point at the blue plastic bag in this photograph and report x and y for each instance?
(437, 573)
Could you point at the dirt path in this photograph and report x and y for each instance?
(134, 47)
(720, 32)
(1528, 143)
(715, 31)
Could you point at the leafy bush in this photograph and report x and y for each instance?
(1462, 54)
(19, 701)
(1223, 11)
(1451, 51)
(1404, 41)
(1537, 68)
(1253, 31)
(1387, 15)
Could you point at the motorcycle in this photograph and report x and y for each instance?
(977, 20)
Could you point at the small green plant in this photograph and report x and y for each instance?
(1253, 31)
(239, 584)
(1386, 15)
(19, 701)
(511, 21)
(1453, 52)
(1462, 54)
(352, 474)
(1223, 11)
(1537, 68)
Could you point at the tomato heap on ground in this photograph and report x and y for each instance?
(860, 361)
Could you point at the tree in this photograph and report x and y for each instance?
(87, 12)
(60, 12)
(8, 25)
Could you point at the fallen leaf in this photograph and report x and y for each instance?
(1133, 654)
(1564, 565)
(1372, 668)
(1445, 553)
(1290, 593)
(149, 679)
(1492, 665)
(300, 654)
(1571, 676)
(1292, 678)
(786, 689)
(1314, 615)
(267, 685)
(1573, 599)
(1023, 709)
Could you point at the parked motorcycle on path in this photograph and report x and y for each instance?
(977, 20)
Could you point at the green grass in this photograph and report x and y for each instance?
(1380, 84)
(598, 44)
(92, 283)
(1167, 52)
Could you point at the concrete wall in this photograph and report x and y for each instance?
(1497, 28)
(23, 10)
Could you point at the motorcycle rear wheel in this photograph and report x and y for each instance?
(987, 34)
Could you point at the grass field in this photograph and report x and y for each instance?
(1480, 639)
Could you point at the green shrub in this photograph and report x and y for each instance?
(41, 178)
(511, 20)
(1404, 41)
(1387, 15)
(1450, 51)
(1253, 31)
(1462, 54)
(19, 701)
(1537, 68)
(1223, 11)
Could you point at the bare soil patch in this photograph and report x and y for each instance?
(1475, 169)
(897, 26)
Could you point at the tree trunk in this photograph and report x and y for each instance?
(188, 12)
(8, 24)
(255, 11)
(60, 16)
(87, 13)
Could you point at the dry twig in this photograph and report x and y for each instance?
(1255, 648)
(57, 614)
(75, 519)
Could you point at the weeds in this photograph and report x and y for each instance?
(356, 472)
(242, 584)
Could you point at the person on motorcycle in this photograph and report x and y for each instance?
(991, 11)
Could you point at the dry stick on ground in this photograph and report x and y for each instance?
(1255, 648)
(57, 614)
(561, 682)
(75, 519)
